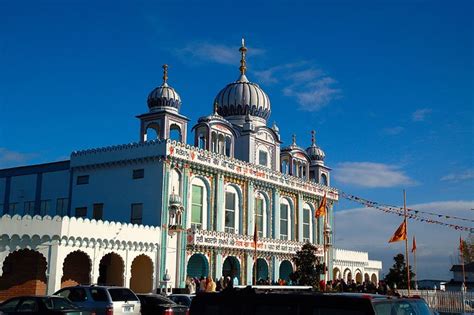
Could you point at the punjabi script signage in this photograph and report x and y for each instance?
(234, 241)
(245, 169)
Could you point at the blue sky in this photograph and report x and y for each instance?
(387, 85)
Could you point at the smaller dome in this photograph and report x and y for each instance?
(315, 153)
(175, 199)
(164, 95)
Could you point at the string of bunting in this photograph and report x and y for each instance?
(413, 214)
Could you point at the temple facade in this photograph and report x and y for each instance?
(183, 206)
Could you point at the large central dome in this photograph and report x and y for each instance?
(243, 97)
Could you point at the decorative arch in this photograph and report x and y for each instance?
(366, 277)
(175, 180)
(231, 268)
(141, 280)
(76, 269)
(237, 207)
(308, 210)
(111, 270)
(286, 268)
(358, 276)
(336, 273)
(290, 227)
(373, 278)
(202, 221)
(198, 266)
(347, 274)
(262, 269)
(24, 273)
(152, 131)
(266, 211)
(175, 133)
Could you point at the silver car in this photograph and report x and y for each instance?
(103, 300)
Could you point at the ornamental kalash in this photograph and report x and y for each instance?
(162, 208)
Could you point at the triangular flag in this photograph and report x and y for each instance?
(413, 248)
(400, 234)
(322, 208)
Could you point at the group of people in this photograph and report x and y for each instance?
(207, 284)
(340, 285)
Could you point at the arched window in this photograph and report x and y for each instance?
(324, 179)
(175, 133)
(152, 132)
(307, 224)
(285, 219)
(198, 211)
(284, 166)
(214, 142)
(202, 141)
(221, 144)
(263, 157)
(175, 182)
(231, 222)
(228, 143)
(259, 214)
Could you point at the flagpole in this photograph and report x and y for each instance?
(406, 239)
(255, 248)
(461, 248)
(414, 263)
(325, 248)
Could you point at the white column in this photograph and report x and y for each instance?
(249, 269)
(300, 218)
(219, 265)
(54, 270)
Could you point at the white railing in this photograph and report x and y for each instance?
(446, 301)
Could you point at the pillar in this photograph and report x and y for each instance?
(54, 269)
(249, 271)
(219, 262)
(219, 202)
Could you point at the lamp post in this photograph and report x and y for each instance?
(327, 245)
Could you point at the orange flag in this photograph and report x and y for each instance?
(321, 212)
(413, 248)
(400, 234)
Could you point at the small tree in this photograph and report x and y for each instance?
(468, 249)
(308, 266)
(398, 273)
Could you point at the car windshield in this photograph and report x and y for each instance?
(402, 307)
(122, 294)
(58, 304)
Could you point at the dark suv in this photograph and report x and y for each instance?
(255, 302)
(103, 300)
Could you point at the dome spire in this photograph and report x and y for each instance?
(216, 106)
(294, 139)
(165, 74)
(243, 63)
(313, 137)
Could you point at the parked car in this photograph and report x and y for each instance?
(250, 301)
(103, 300)
(41, 305)
(160, 304)
(182, 299)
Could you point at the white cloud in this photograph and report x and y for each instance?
(311, 87)
(368, 229)
(10, 158)
(369, 174)
(420, 114)
(393, 131)
(458, 177)
(212, 52)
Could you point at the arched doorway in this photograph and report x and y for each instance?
(262, 269)
(373, 278)
(336, 274)
(285, 270)
(197, 266)
(366, 277)
(358, 278)
(24, 273)
(76, 269)
(231, 268)
(111, 270)
(142, 275)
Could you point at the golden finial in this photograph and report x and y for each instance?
(165, 73)
(243, 63)
(313, 137)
